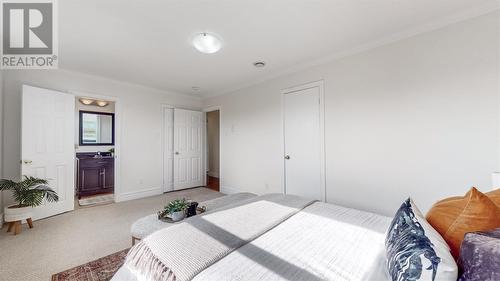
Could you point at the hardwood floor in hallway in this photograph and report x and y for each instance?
(213, 183)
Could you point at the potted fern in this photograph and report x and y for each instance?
(28, 193)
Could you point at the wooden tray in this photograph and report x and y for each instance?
(199, 210)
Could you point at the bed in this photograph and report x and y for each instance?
(295, 240)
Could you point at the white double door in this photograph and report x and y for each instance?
(182, 149)
(47, 149)
(303, 134)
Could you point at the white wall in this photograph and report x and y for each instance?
(418, 118)
(213, 143)
(140, 115)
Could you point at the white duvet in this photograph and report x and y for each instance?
(321, 242)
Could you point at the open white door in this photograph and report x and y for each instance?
(188, 149)
(48, 145)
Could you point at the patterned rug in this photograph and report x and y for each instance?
(99, 270)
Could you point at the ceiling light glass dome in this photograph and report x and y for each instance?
(207, 43)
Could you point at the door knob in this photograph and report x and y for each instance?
(287, 157)
(176, 153)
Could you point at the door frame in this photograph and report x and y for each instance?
(118, 136)
(320, 85)
(203, 143)
(205, 146)
(163, 183)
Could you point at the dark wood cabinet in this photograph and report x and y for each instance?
(95, 175)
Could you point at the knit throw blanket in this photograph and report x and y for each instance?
(182, 251)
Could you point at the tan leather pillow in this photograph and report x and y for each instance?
(455, 216)
(494, 196)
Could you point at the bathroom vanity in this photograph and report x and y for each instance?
(95, 173)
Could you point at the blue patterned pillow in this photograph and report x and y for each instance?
(415, 251)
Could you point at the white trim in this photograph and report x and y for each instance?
(1, 220)
(212, 108)
(163, 184)
(386, 40)
(320, 85)
(93, 96)
(126, 196)
(221, 141)
(118, 135)
(204, 147)
(229, 190)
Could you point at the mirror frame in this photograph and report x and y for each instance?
(80, 129)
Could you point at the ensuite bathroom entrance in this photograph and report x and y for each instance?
(95, 151)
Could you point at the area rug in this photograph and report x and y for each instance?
(97, 199)
(101, 269)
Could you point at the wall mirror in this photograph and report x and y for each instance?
(97, 128)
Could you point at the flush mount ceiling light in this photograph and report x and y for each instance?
(259, 64)
(207, 43)
(86, 101)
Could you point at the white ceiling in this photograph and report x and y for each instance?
(148, 41)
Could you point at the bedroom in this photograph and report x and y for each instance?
(408, 106)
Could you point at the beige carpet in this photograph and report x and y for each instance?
(67, 240)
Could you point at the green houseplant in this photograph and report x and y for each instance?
(175, 210)
(28, 193)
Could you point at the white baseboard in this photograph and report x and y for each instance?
(138, 194)
(229, 190)
(213, 174)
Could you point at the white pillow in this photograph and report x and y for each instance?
(415, 250)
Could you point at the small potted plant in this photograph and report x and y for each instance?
(175, 210)
(28, 193)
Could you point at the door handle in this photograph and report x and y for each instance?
(26, 162)
(287, 157)
(177, 153)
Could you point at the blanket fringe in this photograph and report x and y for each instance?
(142, 261)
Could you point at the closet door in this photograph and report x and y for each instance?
(168, 149)
(188, 149)
(303, 145)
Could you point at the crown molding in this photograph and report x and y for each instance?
(428, 27)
